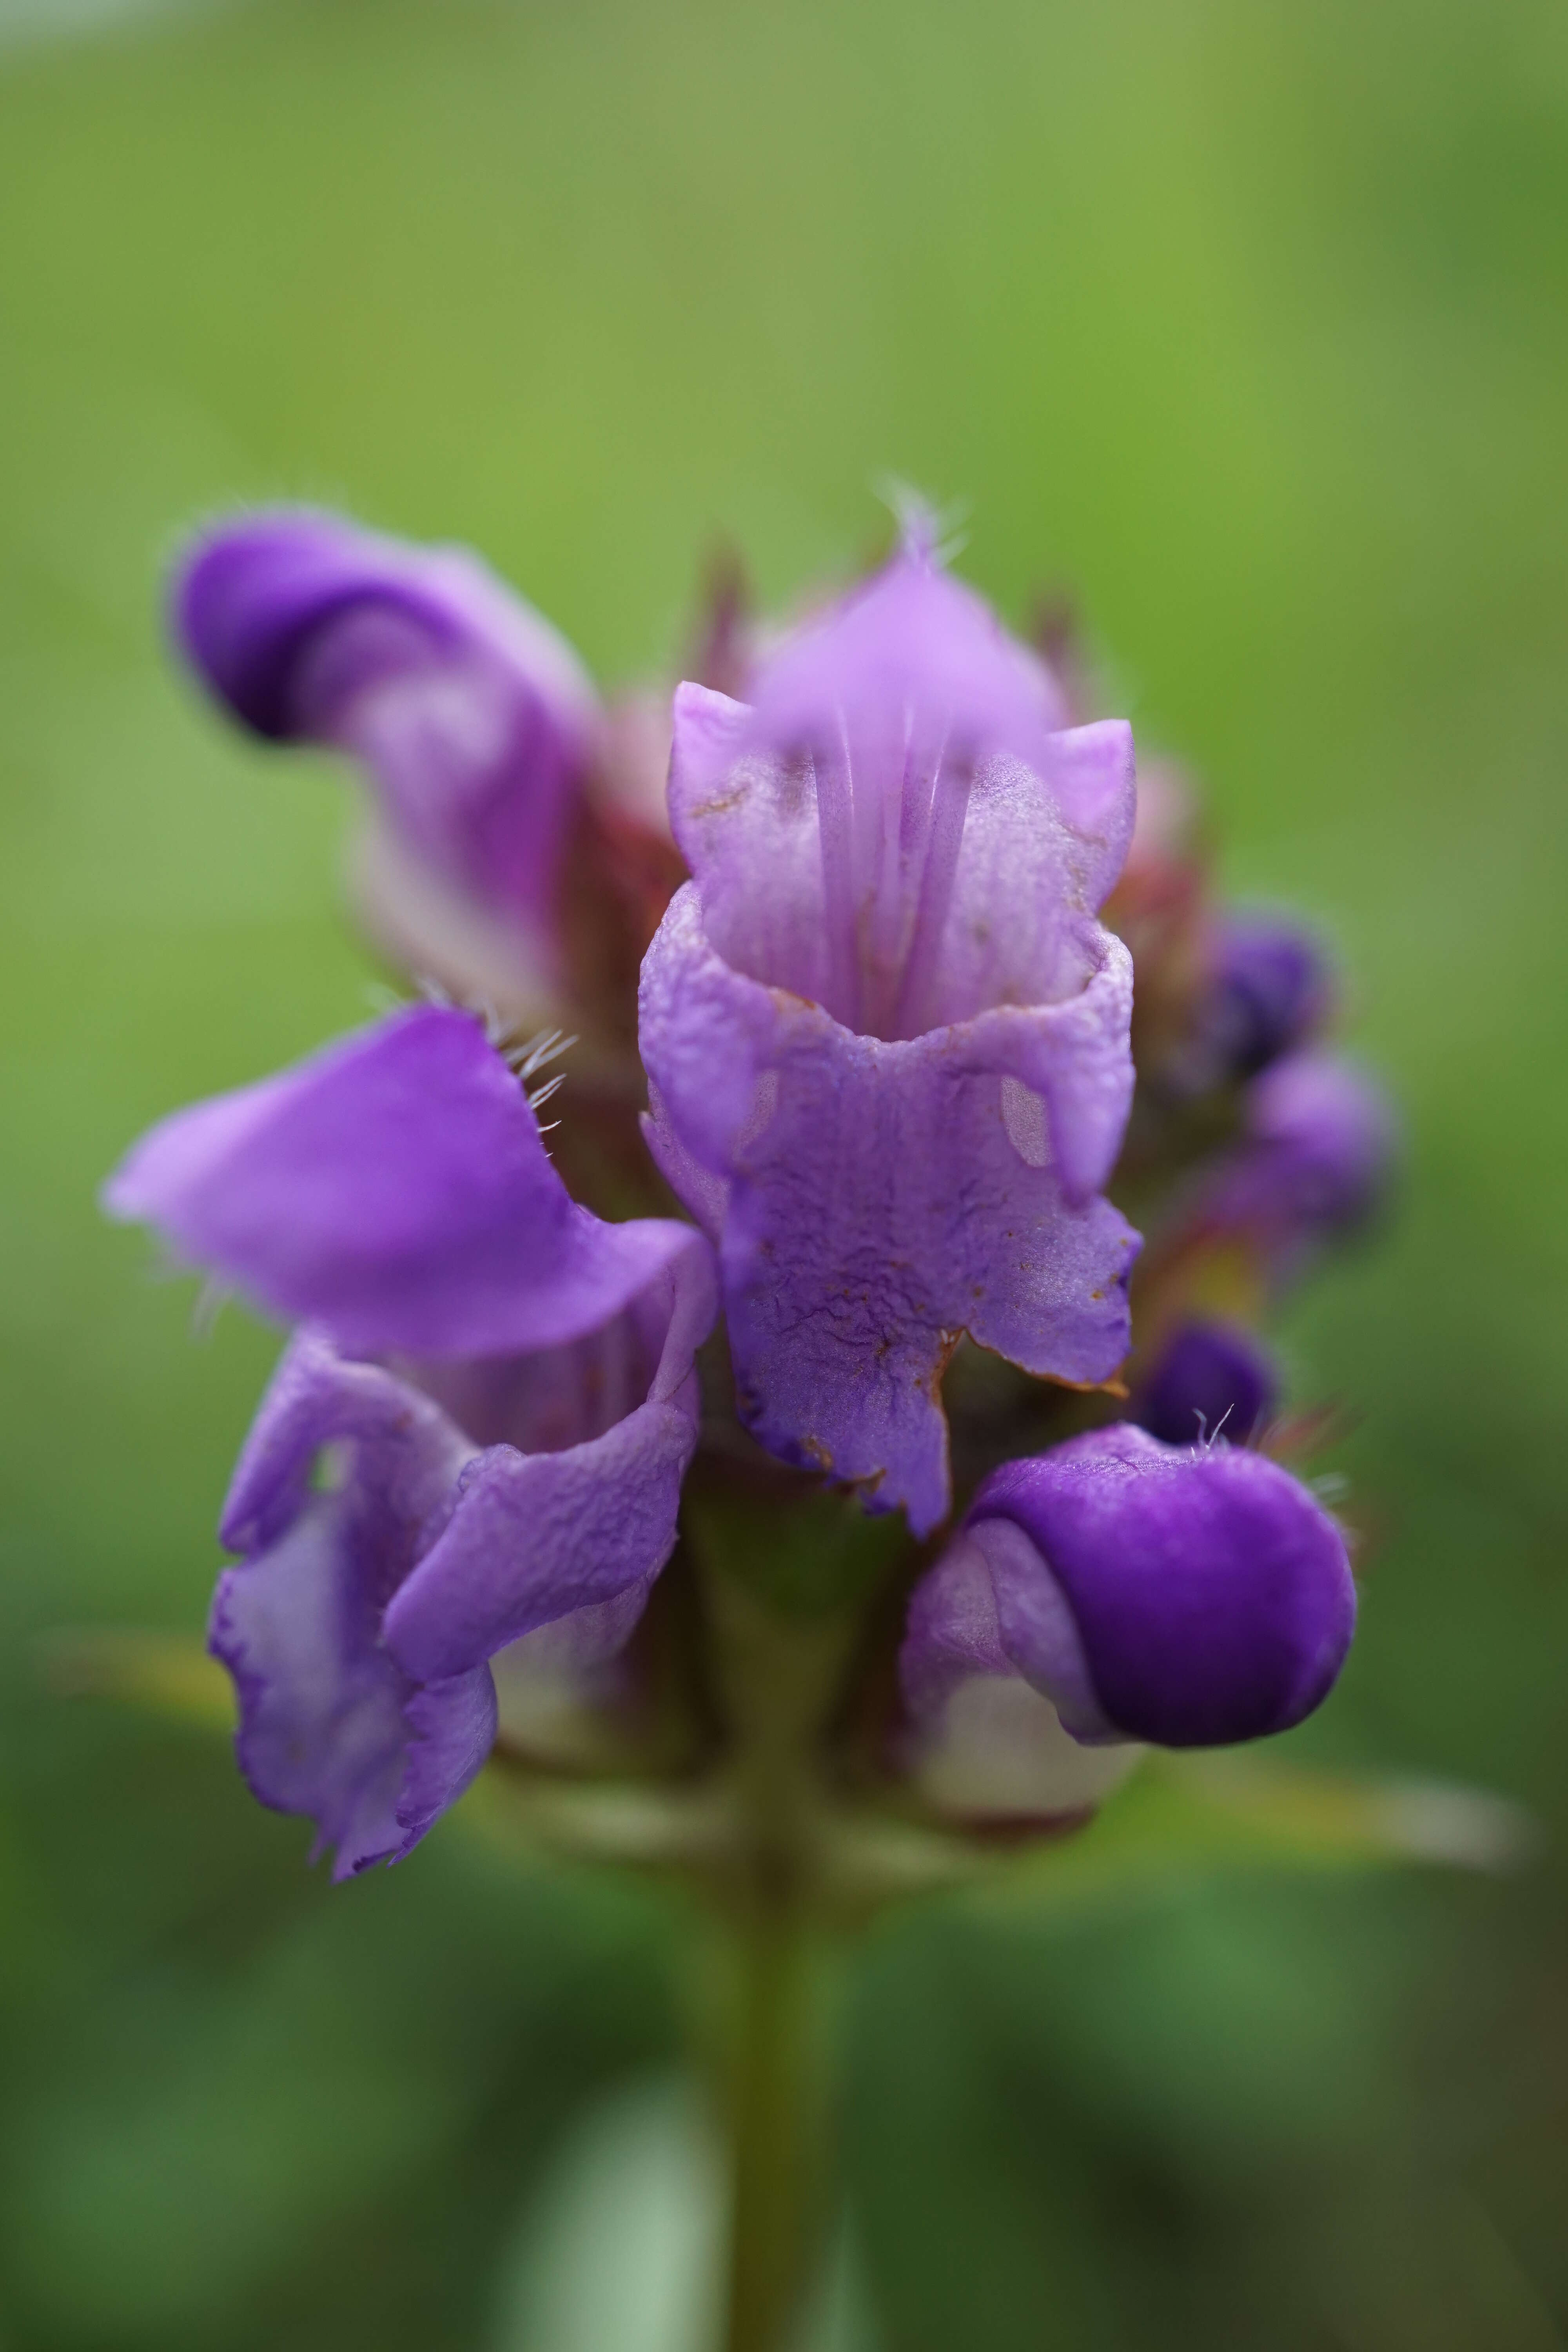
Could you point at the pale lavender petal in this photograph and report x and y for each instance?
(533, 1538)
(999, 1755)
(957, 1629)
(900, 827)
(986, 1742)
(559, 1689)
(473, 716)
(884, 1199)
(394, 1190)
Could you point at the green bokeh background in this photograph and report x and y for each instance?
(1251, 323)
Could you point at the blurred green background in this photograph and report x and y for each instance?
(1251, 323)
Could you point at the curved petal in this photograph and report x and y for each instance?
(315, 1398)
(329, 1725)
(534, 1537)
(988, 1742)
(955, 1631)
(473, 716)
(394, 1190)
(900, 827)
(883, 1198)
(1205, 1594)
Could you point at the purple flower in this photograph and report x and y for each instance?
(1312, 1163)
(1269, 992)
(887, 1040)
(1208, 1379)
(1186, 1597)
(473, 716)
(500, 1388)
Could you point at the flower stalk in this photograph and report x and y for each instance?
(777, 2105)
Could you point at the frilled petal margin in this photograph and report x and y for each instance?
(475, 718)
(874, 1200)
(393, 1189)
(1186, 1597)
(359, 1625)
(329, 1725)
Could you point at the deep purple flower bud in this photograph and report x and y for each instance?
(1268, 994)
(474, 718)
(1188, 1597)
(1209, 1379)
(503, 1387)
(1312, 1162)
(886, 1038)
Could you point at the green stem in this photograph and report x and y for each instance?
(777, 2112)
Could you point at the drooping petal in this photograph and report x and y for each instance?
(473, 716)
(394, 1190)
(329, 1725)
(1209, 1379)
(534, 1537)
(1187, 1597)
(883, 1198)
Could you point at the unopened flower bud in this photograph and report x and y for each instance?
(1208, 1379)
(1187, 1597)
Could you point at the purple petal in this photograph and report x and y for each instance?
(1210, 1379)
(987, 1743)
(1314, 1160)
(1189, 1597)
(900, 827)
(882, 1199)
(534, 1537)
(394, 1190)
(329, 1726)
(473, 715)
(316, 1398)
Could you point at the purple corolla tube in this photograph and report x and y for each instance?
(886, 1038)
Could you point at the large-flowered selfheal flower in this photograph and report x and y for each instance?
(1178, 1596)
(473, 716)
(886, 1040)
(499, 1387)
